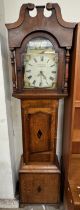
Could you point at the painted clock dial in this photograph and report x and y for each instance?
(40, 64)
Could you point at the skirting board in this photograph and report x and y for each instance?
(9, 203)
(14, 203)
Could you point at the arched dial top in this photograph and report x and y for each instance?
(40, 64)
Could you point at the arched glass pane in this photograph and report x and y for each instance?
(40, 64)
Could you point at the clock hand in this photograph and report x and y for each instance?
(40, 74)
(44, 76)
(41, 80)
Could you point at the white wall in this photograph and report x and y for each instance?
(70, 9)
(5, 160)
(13, 135)
(7, 177)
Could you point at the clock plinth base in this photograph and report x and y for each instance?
(39, 184)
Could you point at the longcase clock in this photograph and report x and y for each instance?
(40, 56)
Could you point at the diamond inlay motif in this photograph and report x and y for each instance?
(39, 134)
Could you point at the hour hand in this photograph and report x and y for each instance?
(44, 77)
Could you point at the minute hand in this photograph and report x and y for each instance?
(44, 78)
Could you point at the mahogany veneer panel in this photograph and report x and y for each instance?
(68, 201)
(74, 169)
(73, 185)
(76, 147)
(72, 199)
(76, 126)
(71, 144)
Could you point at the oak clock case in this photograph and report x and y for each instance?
(40, 57)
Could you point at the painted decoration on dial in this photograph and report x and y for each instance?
(40, 64)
